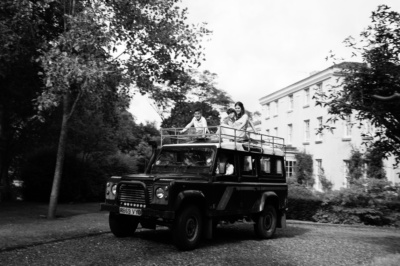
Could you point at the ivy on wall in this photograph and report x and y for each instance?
(303, 171)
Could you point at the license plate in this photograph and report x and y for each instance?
(130, 211)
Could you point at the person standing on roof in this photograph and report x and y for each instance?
(199, 122)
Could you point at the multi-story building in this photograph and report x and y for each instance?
(291, 113)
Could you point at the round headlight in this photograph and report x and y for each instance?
(114, 189)
(160, 193)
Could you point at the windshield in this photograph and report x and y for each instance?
(185, 159)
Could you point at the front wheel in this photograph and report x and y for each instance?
(266, 221)
(122, 225)
(187, 228)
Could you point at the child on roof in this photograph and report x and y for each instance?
(199, 122)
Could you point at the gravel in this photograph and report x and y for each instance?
(299, 244)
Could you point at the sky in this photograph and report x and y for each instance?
(260, 46)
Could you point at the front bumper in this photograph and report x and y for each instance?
(146, 213)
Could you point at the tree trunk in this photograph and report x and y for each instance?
(60, 159)
(3, 179)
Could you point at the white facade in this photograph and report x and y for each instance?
(291, 113)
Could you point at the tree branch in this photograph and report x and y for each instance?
(387, 98)
(74, 104)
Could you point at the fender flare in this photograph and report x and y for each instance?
(264, 198)
(183, 195)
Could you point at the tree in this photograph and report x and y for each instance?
(375, 168)
(24, 27)
(196, 86)
(140, 43)
(369, 89)
(205, 89)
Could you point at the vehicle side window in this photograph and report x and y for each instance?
(279, 167)
(265, 165)
(225, 164)
(248, 165)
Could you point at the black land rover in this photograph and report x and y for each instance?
(195, 182)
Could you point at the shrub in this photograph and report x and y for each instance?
(345, 215)
(367, 201)
(302, 203)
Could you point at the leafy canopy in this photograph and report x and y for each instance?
(142, 44)
(378, 74)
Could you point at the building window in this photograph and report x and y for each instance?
(319, 134)
(276, 132)
(289, 133)
(267, 111)
(319, 88)
(367, 133)
(276, 106)
(306, 130)
(306, 97)
(347, 128)
(290, 165)
(319, 167)
(290, 103)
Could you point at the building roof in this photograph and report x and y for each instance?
(334, 70)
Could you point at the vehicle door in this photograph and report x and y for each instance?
(227, 197)
(248, 185)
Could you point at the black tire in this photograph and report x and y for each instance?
(265, 223)
(187, 228)
(122, 225)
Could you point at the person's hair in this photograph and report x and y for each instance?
(197, 110)
(230, 110)
(242, 111)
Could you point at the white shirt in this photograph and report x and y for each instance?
(200, 124)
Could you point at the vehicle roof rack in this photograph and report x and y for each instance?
(225, 137)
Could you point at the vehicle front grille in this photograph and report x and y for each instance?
(134, 194)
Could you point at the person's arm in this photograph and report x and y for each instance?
(252, 126)
(188, 126)
(241, 122)
(229, 169)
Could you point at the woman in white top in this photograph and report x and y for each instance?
(243, 121)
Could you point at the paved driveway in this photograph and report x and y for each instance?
(299, 244)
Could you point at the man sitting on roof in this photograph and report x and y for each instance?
(199, 122)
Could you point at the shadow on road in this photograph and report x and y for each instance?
(227, 234)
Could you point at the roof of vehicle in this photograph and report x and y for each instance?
(223, 137)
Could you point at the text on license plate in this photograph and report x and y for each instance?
(130, 211)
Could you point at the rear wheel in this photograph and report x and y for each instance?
(122, 225)
(265, 223)
(187, 228)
